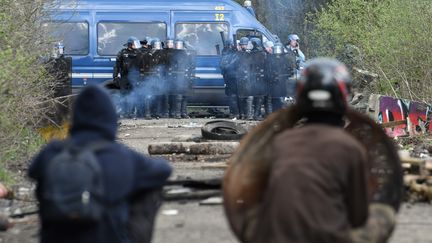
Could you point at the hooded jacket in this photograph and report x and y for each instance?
(125, 172)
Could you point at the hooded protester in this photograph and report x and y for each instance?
(125, 174)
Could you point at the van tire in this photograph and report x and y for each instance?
(223, 130)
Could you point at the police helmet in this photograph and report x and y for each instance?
(268, 44)
(179, 45)
(156, 44)
(324, 86)
(133, 42)
(278, 48)
(256, 41)
(170, 43)
(293, 37)
(244, 41)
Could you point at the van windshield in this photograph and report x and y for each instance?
(113, 35)
(202, 37)
(74, 36)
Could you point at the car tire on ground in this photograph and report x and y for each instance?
(223, 130)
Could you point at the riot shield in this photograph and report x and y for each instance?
(245, 74)
(246, 178)
(177, 67)
(258, 60)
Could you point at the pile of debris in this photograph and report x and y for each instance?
(417, 167)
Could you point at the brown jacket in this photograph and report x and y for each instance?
(317, 188)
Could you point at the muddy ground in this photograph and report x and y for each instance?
(188, 221)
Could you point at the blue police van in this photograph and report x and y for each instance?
(94, 31)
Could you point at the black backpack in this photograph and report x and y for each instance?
(72, 187)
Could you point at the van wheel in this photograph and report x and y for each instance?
(223, 130)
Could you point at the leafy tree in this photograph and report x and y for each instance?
(24, 85)
(392, 36)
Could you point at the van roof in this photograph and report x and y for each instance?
(159, 4)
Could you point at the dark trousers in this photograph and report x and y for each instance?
(143, 211)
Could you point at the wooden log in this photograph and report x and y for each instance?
(209, 148)
(193, 195)
(194, 157)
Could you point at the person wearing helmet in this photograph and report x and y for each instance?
(229, 58)
(158, 86)
(294, 46)
(258, 80)
(177, 77)
(243, 44)
(124, 61)
(280, 66)
(317, 187)
(245, 79)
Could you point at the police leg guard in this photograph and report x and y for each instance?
(164, 106)
(242, 104)
(258, 101)
(184, 112)
(233, 107)
(171, 103)
(177, 106)
(248, 108)
(147, 107)
(268, 107)
(277, 103)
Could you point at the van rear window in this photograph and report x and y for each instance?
(113, 35)
(74, 36)
(202, 37)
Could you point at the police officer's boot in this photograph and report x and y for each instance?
(158, 99)
(248, 108)
(184, 113)
(258, 101)
(268, 108)
(177, 102)
(171, 102)
(147, 108)
(234, 107)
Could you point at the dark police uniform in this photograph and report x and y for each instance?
(280, 67)
(228, 60)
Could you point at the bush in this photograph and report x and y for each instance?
(392, 36)
(24, 84)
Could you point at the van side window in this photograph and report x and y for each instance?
(202, 37)
(74, 35)
(113, 35)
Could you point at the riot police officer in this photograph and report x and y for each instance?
(127, 66)
(126, 60)
(186, 84)
(152, 68)
(229, 74)
(294, 46)
(258, 81)
(280, 67)
(174, 71)
(244, 77)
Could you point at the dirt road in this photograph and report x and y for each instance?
(187, 221)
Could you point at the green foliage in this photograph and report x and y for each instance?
(24, 85)
(393, 36)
